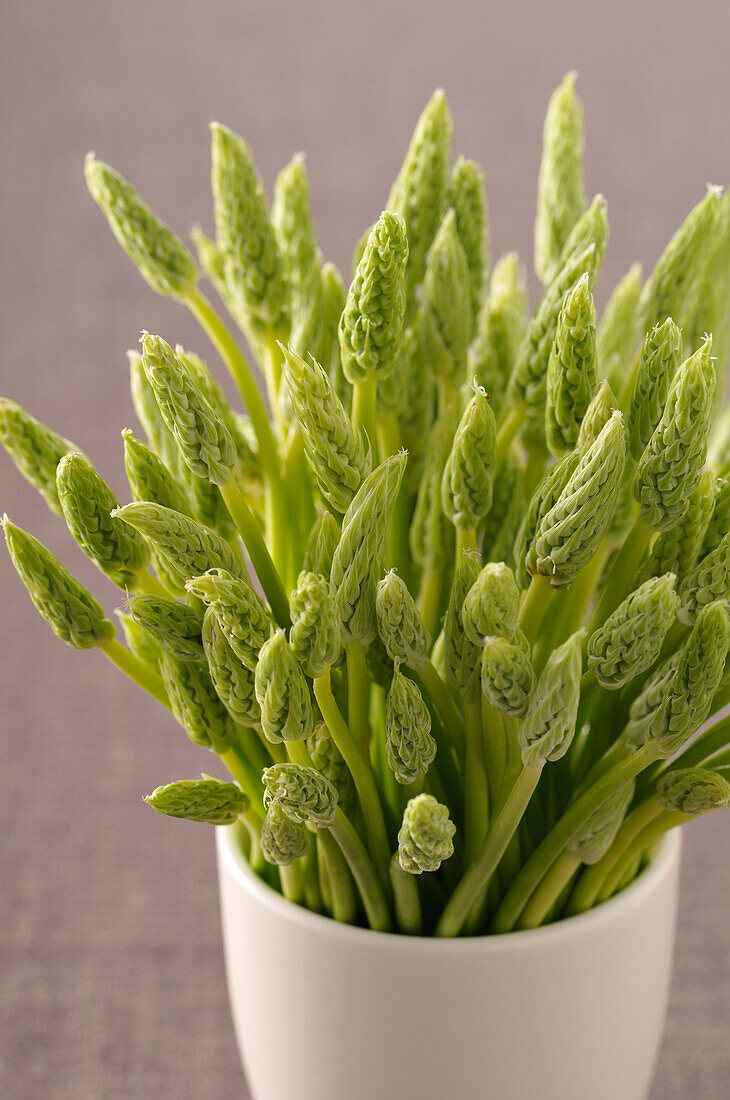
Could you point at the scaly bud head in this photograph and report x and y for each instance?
(418, 192)
(466, 486)
(149, 477)
(570, 532)
(303, 793)
(72, 613)
(597, 415)
(173, 624)
(719, 521)
(661, 355)
(187, 547)
(282, 692)
(547, 729)
(689, 694)
(161, 441)
(34, 448)
(291, 216)
(591, 228)
(356, 560)
(445, 313)
(337, 450)
(678, 549)
(461, 656)
(232, 680)
(373, 320)
(138, 640)
(87, 503)
(283, 840)
(670, 289)
(617, 332)
(501, 327)
(707, 582)
(254, 268)
(208, 800)
(571, 377)
(327, 759)
(693, 791)
(400, 626)
(492, 605)
(194, 702)
(630, 640)
(426, 836)
(315, 632)
(546, 495)
(316, 329)
(672, 462)
(561, 194)
(466, 196)
(647, 703)
(507, 676)
(159, 255)
(321, 544)
(244, 619)
(598, 831)
(410, 749)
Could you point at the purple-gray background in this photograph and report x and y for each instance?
(112, 983)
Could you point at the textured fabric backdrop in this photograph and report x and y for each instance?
(112, 980)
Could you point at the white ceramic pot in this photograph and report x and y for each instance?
(572, 1011)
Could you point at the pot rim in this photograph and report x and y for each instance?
(627, 901)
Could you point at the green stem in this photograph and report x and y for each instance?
(364, 404)
(476, 789)
(257, 551)
(507, 431)
(535, 604)
(367, 791)
(246, 776)
(339, 879)
(139, 671)
(358, 860)
(292, 882)
(429, 598)
(465, 540)
(147, 583)
(440, 695)
(407, 902)
(272, 373)
(592, 881)
(646, 839)
(623, 571)
(549, 891)
(477, 878)
(495, 750)
(358, 696)
(552, 846)
(312, 893)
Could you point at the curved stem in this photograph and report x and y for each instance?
(257, 551)
(358, 860)
(139, 671)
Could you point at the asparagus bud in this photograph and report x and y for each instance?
(291, 216)
(283, 840)
(160, 439)
(426, 836)
(445, 315)
(88, 505)
(315, 632)
(707, 582)
(507, 676)
(671, 287)
(409, 746)
(321, 544)
(418, 192)
(598, 831)
(205, 442)
(72, 613)
(677, 549)
(327, 759)
(233, 681)
(617, 331)
(591, 228)
(693, 791)
(544, 498)
(690, 692)
(466, 196)
(630, 640)
(244, 620)
(660, 357)
(501, 327)
(356, 560)
(400, 625)
(466, 486)
(208, 800)
(648, 702)
(461, 655)
(571, 376)
(316, 332)
(570, 532)
(173, 624)
(671, 465)
(337, 449)
(282, 692)
(159, 255)
(187, 547)
(253, 264)
(547, 729)
(372, 323)
(138, 640)
(719, 521)
(597, 415)
(561, 188)
(492, 604)
(303, 793)
(148, 476)
(194, 702)
(34, 448)
(431, 534)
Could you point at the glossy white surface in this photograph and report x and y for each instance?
(573, 1011)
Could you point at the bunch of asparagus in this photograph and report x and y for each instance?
(453, 615)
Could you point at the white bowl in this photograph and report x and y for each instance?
(324, 1011)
